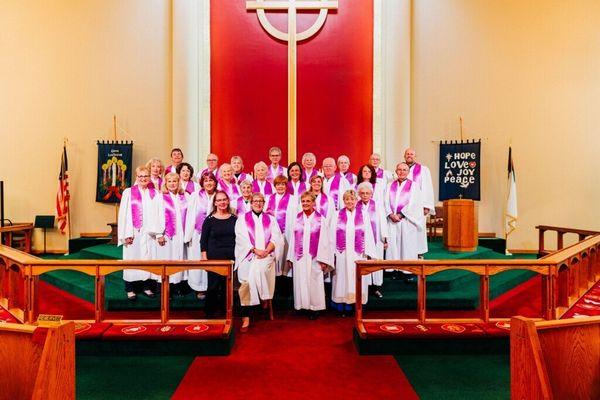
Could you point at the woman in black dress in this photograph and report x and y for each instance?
(217, 242)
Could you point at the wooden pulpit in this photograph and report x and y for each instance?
(460, 225)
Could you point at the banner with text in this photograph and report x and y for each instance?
(460, 170)
(114, 170)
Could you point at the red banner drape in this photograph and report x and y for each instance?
(249, 84)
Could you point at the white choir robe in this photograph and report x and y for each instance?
(241, 206)
(273, 173)
(328, 210)
(297, 188)
(381, 226)
(309, 286)
(144, 243)
(196, 186)
(425, 184)
(343, 186)
(243, 177)
(351, 179)
(343, 283)
(291, 211)
(173, 249)
(197, 279)
(379, 192)
(171, 169)
(388, 176)
(232, 189)
(403, 240)
(202, 172)
(256, 276)
(262, 187)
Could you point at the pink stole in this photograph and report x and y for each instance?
(379, 173)
(306, 178)
(241, 177)
(321, 206)
(230, 188)
(203, 210)
(152, 186)
(404, 196)
(292, 191)
(416, 173)
(334, 189)
(315, 234)
(267, 190)
(205, 170)
(359, 231)
(271, 176)
(170, 215)
(137, 210)
(279, 212)
(171, 169)
(189, 187)
(349, 177)
(266, 223)
(241, 206)
(370, 209)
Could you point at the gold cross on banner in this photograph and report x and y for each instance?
(292, 38)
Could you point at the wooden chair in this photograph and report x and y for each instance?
(435, 221)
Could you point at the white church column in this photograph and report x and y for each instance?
(191, 79)
(392, 79)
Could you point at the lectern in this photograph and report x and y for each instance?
(460, 225)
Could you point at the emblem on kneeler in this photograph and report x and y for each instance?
(81, 327)
(391, 328)
(134, 329)
(49, 320)
(196, 328)
(503, 325)
(421, 328)
(453, 328)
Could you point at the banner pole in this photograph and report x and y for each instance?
(115, 139)
(461, 127)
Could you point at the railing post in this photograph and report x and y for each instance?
(484, 296)
(164, 296)
(559, 240)
(99, 299)
(541, 241)
(422, 295)
(358, 290)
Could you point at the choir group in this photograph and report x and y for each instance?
(303, 223)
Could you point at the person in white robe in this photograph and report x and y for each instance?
(260, 183)
(309, 256)
(156, 173)
(282, 206)
(243, 203)
(296, 186)
(309, 163)
(212, 166)
(176, 159)
(366, 173)
(352, 240)
(227, 182)
(334, 184)
(323, 203)
(275, 169)
(375, 214)
(257, 237)
(343, 163)
(237, 164)
(404, 209)
(138, 224)
(174, 207)
(421, 176)
(186, 175)
(383, 176)
(201, 205)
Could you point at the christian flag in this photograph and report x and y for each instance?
(62, 196)
(510, 216)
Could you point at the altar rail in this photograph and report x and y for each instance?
(20, 272)
(566, 275)
(560, 233)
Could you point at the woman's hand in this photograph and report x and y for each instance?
(161, 241)
(128, 241)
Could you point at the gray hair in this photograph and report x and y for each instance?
(365, 185)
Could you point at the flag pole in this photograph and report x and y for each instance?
(115, 139)
(461, 127)
(65, 141)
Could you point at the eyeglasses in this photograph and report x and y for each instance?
(143, 176)
(218, 200)
(258, 201)
(211, 159)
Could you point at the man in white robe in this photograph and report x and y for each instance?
(275, 169)
(257, 238)
(404, 209)
(212, 166)
(349, 248)
(309, 256)
(421, 176)
(383, 176)
(139, 224)
(334, 184)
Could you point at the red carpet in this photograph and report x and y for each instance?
(294, 358)
(524, 300)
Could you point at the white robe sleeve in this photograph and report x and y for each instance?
(427, 190)
(413, 211)
(382, 222)
(370, 248)
(243, 246)
(125, 221)
(324, 251)
(276, 238)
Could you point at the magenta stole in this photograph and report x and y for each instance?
(279, 212)
(301, 188)
(315, 234)
(321, 205)
(152, 186)
(267, 191)
(137, 210)
(189, 187)
(306, 178)
(379, 173)
(404, 197)
(266, 223)
(203, 210)
(241, 206)
(359, 231)
(416, 173)
(349, 177)
(370, 209)
(271, 176)
(230, 188)
(170, 214)
(334, 189)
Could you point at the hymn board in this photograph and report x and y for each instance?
(292, 38)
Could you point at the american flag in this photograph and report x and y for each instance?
(62, 196)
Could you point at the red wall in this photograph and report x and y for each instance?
(249, 84)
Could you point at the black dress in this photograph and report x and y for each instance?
(218, 241)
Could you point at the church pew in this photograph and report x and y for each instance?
(37, 363)
(555, 359)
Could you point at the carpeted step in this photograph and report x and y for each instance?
(102, 252)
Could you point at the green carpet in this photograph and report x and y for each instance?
(113, 377)
(458, 376)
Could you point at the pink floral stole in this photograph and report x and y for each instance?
(137, 210)
(359, 231)
(203, 210)
(279, 212)
(315, 234)
(404, 197)
(171, 215)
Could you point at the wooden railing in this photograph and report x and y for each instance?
(560, 234)
(555, 359)
(20, 272)
(566, 275)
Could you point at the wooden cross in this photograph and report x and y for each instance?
(292, 38)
